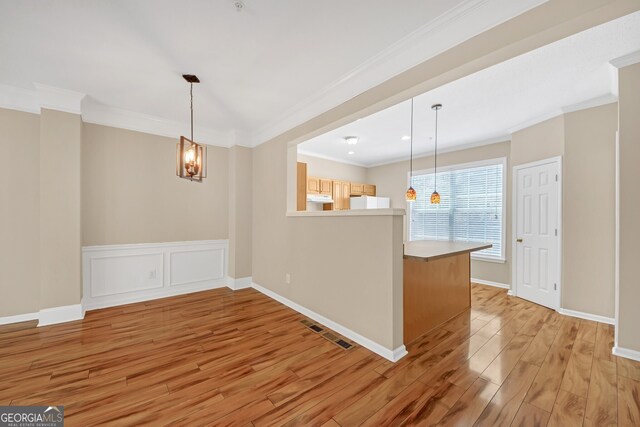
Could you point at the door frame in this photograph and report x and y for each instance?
(514, 219)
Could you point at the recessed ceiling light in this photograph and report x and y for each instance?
(406, 138)
(352, 152)
(351, 140)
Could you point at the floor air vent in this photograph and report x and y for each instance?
(341, 342)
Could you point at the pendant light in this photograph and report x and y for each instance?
(411, 193)
(435, 197)
(191, 160)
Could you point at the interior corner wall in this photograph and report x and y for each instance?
(19, 212)
(60, 209)
(131, 194)
(391, 181)
(628, 333)
(588, 210)
(240, 211)
(323, 168)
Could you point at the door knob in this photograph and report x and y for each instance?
(519, 240)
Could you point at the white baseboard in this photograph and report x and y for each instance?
(489, 283)
(587, 316)
(391, 355)
(115, 300)
(626, 353)
(511, 293)
(55, 315)
(18, 318)
(239, 283)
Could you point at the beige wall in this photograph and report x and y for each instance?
(240, 211)
(60, 210)
(322, 255)
(131, 194)
(628, 335)
(19, 212)
(324, 168)
(391, 181)
(538, 142)
(588, 210)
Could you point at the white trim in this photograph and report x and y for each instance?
(591, 103)
(511, 293)
(15, 98)
(55, 315)
(460, 166)
(626, 353)
(100, 114)
(160, 272)
(55, 98)
(490, 283)
(626, 60)
(587, 316)
(460, 23)
(331, 159)
(239, 283)
(18, 318)
(514, 213)
(122, 299)
(617, 243)
(391, 355)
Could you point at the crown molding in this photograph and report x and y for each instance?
(54, 98)
(105, 115)
(459, 24)
(626, 60)
(15, 98)
(460, 147)
(331, 159)
(591, 103)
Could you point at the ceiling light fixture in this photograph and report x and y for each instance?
(435, 197)
(405, 138)
(191, 160)
(351, 140)
(352, 152)
(410, 196)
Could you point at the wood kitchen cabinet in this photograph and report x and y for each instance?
(358, 189)
(341, 194)
(313, 185)
(301, 184)
(317, 185)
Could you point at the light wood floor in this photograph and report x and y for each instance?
(240, 358)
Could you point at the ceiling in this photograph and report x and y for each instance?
(265, 69)
(489, 105)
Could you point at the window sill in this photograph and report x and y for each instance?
(487, 259)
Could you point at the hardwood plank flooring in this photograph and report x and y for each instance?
(228, 358)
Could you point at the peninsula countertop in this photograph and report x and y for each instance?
(427, 250)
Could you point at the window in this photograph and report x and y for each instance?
(471, 207)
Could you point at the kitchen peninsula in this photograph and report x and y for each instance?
(437, 283)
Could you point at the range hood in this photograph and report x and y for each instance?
(319, 198)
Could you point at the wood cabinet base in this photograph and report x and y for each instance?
(434, 292)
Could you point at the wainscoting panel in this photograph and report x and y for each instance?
(123, 274)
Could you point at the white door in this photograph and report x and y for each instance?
(537, 251)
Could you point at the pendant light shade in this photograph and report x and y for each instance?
(411, 195)
(191, 157)
(435, 196)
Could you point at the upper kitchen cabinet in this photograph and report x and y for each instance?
(313, 185)
(325, 186)
(317, 185)
(341, 194)
(358, 189)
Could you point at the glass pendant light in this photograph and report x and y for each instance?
(411, 195)
(191, 157)
(435, 197)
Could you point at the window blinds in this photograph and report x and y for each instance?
(470, 208)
